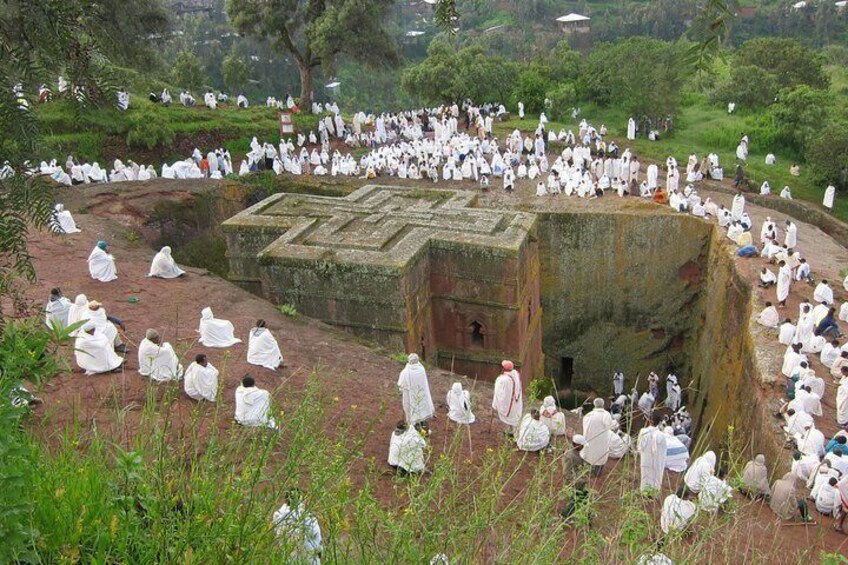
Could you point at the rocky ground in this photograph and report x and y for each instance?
(361, 377)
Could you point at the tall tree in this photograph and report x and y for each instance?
(316, 32)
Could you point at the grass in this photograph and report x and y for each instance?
(701, 129)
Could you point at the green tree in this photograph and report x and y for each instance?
(747, 86)
(188, 71)
(827, 155)
(799, 114)
(642, 75)
(316, 32)
(791, 63)
(531, 88)
(235, 71)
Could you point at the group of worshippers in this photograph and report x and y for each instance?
(98, 342)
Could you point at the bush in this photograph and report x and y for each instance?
(540, 388)
(531, 89)
(748, 86)
(827, 155)
(149, 129)
(562, 98)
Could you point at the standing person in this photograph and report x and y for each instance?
(673, 393)
(508, 398)
(413, 384)
(618, 382)
(596, 427)
(652, 452)
(829, 194)
(784, 281)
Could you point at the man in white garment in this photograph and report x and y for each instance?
(790, 239)
(101, 265)
(262, 348)
(738, 207)
(823, 293)
(64, 221)
(533, 435)
(842, 398)
(784, 281)
(673, 393)
(652, 452)
(646, 404)
(158, 360)
(253, 405)
(164, 266)
(618, 383)
(94, 352)
(769, 317)
(508, 399)
(406, 449)
(201, 379)
(786, 332)
(676, 453)
(676, 513)
(57, 309)
(298, 531)
(596, 425)
(415, 390)
(214, 332)
(755, 478)
(459, 405)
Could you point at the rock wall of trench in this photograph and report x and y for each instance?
(620, 291)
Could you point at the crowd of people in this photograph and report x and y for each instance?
(429, 144)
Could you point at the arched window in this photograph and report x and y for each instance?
(477, 331)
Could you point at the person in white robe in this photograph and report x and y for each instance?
(57, 310)
(298, 531)
(738, 207)
(673, 393)
(532, 435)
(823, 293)
(262, 347)
(415, 391)
(101, 265)
(652, 446)
(784, 281)
(790, 239)
(97, 316)
(842, 399)
(214, 332)
(552, 417)
(78, 311)
(94, 352)
(620, 443)
(646, 403)
(253, 405)
(676, 454)
(406, 449)
(459, 405)
(158, 360)
(769, 317)
(701, 468)
(829, 195)
(63, 221)
(631, 129)
(508, 398)
(163, 265)
(201, 379)
(714, 493)
(786, 333)
(767, 278)
(676, 513)
(596, 424)
(755, 478)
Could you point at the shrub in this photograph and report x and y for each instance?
(287, 310)
(148, 129)
(562, 98)
(531, 88)
(827, 155)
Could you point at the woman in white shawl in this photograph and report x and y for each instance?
(552, 417)
(214, 332)
(262, 348)
(101, 265)
(163, 265)
(755, 478)
(415, 389)
(94, 352)
(78, 311)
(700, 469)
(459, 405)
(676, 454)
(64, 221)
(158, 360)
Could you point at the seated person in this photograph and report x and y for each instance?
(406, 449)
(533, 435)
(253, 405)
(201, 379)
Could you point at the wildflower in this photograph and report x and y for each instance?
(489, 450)
(59, 492)
(353, 406)
(335, 399)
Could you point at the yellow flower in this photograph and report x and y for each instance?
(353, 406)
(113, 525)
(335, 399)
(59, 492)
(489, 450)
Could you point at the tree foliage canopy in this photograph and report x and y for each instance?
(317, 32)
(642, 75)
